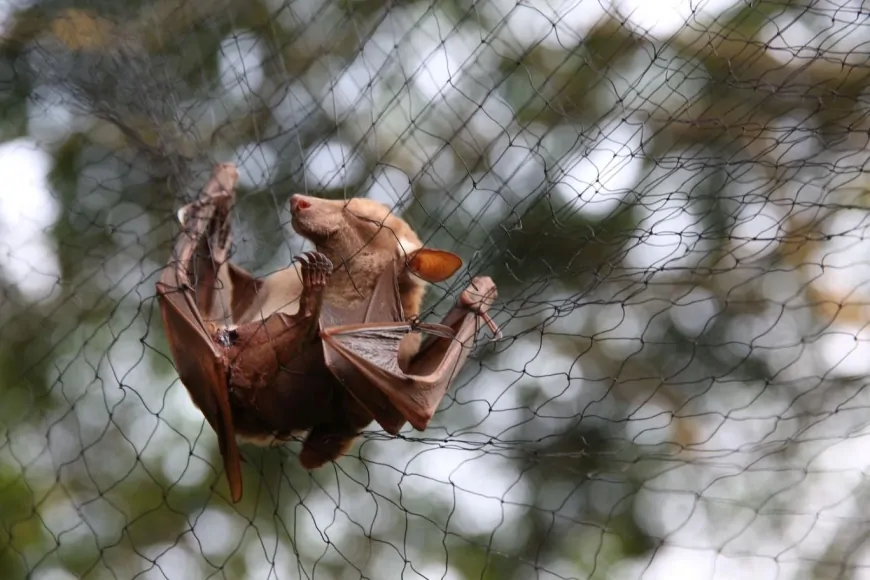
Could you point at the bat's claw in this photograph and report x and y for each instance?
(316, 269)
(478, 298)
(316, 259)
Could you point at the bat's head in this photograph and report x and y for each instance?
(349, 225)
(360, 227)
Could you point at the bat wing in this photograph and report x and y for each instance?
(440, 360)
(203, 371)
(257, 299)
(383, 306)
(364, 357)
(245, 290)
(201, 365)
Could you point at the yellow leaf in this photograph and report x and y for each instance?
(81, 29)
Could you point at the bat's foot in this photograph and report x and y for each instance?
(316, 269)
(478, 298)
(219, 192)
(324, 445)
(316, 266)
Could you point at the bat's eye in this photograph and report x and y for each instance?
(374, 224)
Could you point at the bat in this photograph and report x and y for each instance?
(267, 359)
(241, 376)
(381, 279)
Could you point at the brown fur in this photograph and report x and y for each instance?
(277, 292)
(361, 237)
(256, 371)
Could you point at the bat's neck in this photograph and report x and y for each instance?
(353, 279)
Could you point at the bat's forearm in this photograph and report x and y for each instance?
(456, 320)
(219, 192)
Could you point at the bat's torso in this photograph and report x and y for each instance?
(278, 391)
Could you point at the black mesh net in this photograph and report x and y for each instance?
(670, 196)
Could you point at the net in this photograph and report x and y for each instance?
(670, 196)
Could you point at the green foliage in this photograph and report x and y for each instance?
(119, 177)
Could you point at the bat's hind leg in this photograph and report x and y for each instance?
(207, 239)
(326, 443)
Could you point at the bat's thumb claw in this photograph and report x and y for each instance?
(496, 331)
(478, 297)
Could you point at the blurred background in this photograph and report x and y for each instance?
(671, 196)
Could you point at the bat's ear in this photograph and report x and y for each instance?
(434, 265)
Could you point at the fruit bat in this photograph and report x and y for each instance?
(322, 347)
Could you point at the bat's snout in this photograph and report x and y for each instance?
(315, 218)
(298, 203)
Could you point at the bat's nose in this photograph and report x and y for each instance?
(298, 202)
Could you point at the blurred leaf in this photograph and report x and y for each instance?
(82, 30)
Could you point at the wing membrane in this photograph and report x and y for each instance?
(201, 366)
(364, 357)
